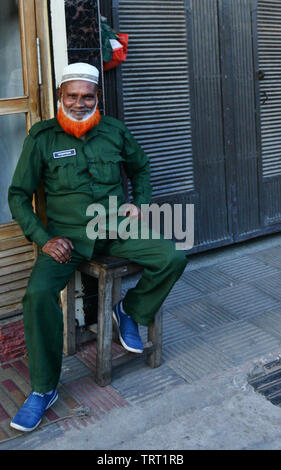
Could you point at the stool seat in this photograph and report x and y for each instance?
(109, 271)
(108, 262)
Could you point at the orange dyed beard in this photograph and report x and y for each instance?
(77, 128)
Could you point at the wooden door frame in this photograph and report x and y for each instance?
(34, 23)
(38, 100)
(36, 103)
(43, 33)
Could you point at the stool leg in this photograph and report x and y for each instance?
(116, 292)
(116, 296)
(155, 336)
(104, 332)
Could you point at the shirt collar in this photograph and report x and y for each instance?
(57, 126)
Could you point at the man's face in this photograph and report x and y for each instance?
(79, 98)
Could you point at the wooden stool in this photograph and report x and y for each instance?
(109, 272)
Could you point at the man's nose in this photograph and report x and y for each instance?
(80, 102)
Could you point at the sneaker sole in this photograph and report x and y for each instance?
(22, 428)
(139, 351)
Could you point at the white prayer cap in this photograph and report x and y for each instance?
(80, 71)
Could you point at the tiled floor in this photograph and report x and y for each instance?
(215, 317)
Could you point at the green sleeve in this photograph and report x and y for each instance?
(25, 181)
(137, 169)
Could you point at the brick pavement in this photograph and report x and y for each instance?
(217, 316)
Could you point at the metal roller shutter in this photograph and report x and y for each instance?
(269, 52)
(155, 89)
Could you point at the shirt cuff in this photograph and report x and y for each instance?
(139, 200)
(40, 237)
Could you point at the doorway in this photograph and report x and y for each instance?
(25, 98)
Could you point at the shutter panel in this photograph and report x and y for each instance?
(269, 52)
(155, 89)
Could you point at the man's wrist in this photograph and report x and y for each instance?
(40, 237)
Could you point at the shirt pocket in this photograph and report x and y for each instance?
(61, 174)
(105, 168)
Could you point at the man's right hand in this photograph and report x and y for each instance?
(60, 248)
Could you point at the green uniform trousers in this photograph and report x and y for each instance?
(43, 319)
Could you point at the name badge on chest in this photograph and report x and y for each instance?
(64, 153)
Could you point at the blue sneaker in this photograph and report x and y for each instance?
(32, 411)
(128, 330)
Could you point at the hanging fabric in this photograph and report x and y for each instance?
(114, 46)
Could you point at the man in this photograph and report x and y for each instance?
(78, 156)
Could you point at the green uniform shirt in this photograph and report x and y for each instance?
(75, 173)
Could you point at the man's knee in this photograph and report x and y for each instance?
(173, 257)
(180, 258)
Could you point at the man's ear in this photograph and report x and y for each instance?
(59, 93)
(98, 93)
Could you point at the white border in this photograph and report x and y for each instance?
(58, 26)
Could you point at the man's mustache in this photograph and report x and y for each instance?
(69, 112)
